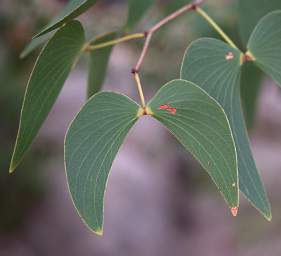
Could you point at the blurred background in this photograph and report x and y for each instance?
(159, 201)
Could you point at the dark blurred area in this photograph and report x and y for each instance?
(159, 201)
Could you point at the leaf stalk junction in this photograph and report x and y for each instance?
(147, 36)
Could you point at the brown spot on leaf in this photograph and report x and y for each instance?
(169, 108)
(234, 211)
(229, 56)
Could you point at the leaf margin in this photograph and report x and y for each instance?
(268, 215)
(58, 21)
(100, 231)
(175, 136)
(13, 164)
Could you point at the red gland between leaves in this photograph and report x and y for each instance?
(234, 211)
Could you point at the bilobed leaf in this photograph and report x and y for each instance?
(35, 43)
(216, 68)
(72, 10)
(136, 11)
(251, 11)
(251, 82)
(91, 144)
(201, 126)
(265, 45)
(98, 64)
(48, 76)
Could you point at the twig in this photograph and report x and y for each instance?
(139, 86)
(143, 53)
(205, 16)
(149, 33)
(90, 47)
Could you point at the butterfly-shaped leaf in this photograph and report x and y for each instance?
(251, 11)
(48, 76)
(72, 10)
(98, 131)
(201, 126)
(265, 45)
(216, 68)
(91, 144)
(98, 64)
(136, 11)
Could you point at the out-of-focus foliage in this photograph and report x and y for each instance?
(18, 192)
(136, 10)
(98, 64)
(71, 10)
(22, 191)
(251, 11)
(265, 47)
(251, 82)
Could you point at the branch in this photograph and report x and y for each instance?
(91, 47)
(149, 33)
(205, 16)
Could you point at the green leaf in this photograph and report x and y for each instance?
(136, 11)
(251, 82)
(98, 64)
(72, 10)
(265, 45)
(174, 5)
(216, 68)
(251, 11)
(91, 144)
(201, 126)
(48, 76)
(35, 43)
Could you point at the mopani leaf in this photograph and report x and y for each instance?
(201, 126)
(91, 144)
(48, 76)
(216, 68)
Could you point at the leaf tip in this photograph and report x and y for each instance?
(234, 211)
(99, 232)
(11, 171)
(22, 55)
(268, 217)
(12, 167)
